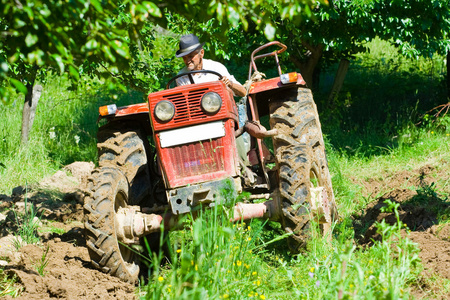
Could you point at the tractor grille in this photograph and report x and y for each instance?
(197, 158)
(187, 105)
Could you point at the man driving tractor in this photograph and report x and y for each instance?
(192, 52)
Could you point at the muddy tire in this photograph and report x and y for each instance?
(126, 150)
(107, 192)
(300, 156)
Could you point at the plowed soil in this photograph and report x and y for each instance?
(424, 208)
(69, 275)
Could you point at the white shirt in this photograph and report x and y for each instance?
(209, 65)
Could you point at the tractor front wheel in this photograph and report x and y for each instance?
(107, 193)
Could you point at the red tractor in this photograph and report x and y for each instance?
(181, 150)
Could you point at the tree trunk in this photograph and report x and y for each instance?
(308, 66)
(448, 76)
(338, 81)
(29, 109)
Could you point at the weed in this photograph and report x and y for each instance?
(8, 285)
(53, 229)
(43, 262)
(27, 224)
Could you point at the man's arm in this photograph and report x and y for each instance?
(236, 87)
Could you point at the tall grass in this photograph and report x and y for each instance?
(215, 259)
(64, 130)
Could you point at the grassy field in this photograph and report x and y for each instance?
(373, 129)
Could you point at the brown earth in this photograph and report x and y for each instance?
(69, 274)
(421, 194)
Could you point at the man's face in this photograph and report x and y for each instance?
(194, 60)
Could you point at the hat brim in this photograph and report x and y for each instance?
(181, 53)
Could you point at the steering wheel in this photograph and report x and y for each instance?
(191, 78)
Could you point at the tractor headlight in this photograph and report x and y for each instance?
(211, 103)
(164, 111)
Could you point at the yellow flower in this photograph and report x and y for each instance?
(160, 279)
(196, 267)
(262, 297)
(249, 239)
(312, 270)
(249, 228)
(258, 283)
(225, 296)
(254, 273)
(239, 263)
(178, 250)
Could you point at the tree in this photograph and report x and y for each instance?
(418, 28)
(80, 36)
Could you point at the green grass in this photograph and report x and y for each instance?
(64, 130)
(9, 285)
(42, 263)
(219, 260)
(28, 224)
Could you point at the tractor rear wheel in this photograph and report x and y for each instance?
(107, 193)
(303, 171)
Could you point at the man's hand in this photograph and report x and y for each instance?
(237, 88)
(227, 82)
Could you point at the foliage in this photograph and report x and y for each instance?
(82, 36)
(419, 28)
(342, 29)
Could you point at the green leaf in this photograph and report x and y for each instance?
(74, 72)
(233, 17)
(97, 5)
(269, 32)
(153, 9)
(120, 48)
(91, 45)
(57, 58)
(19, 86)
(31, 39)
